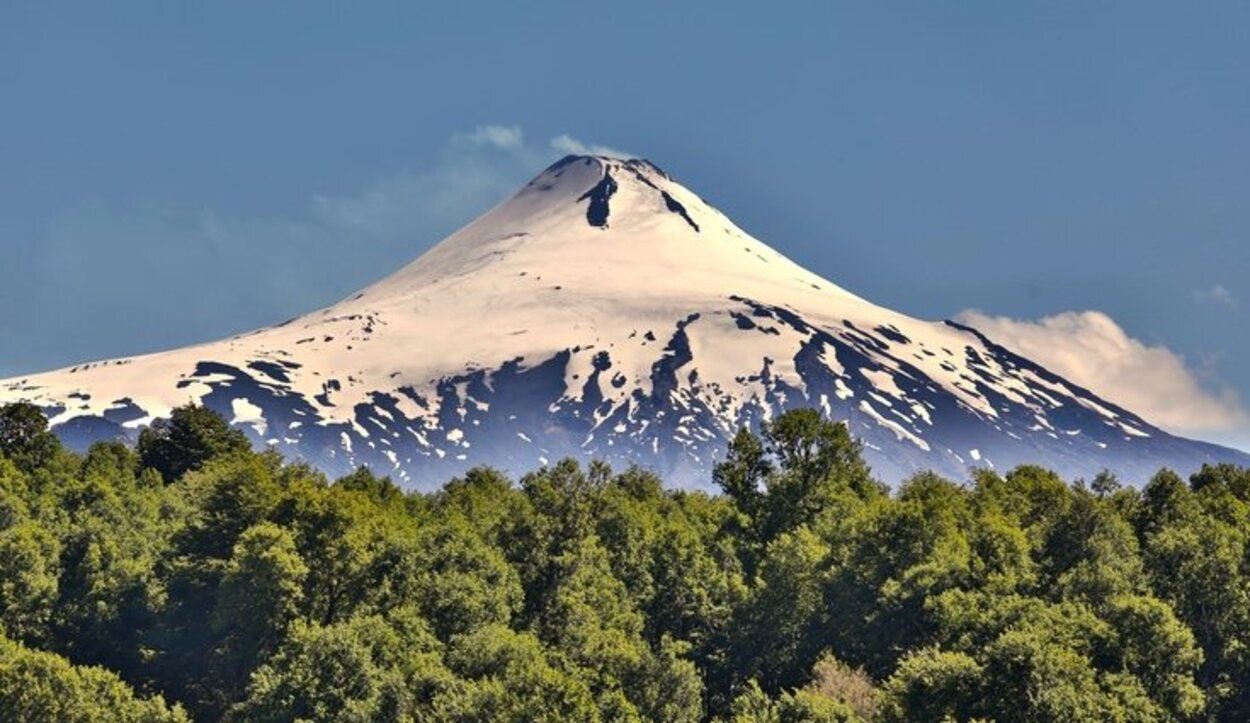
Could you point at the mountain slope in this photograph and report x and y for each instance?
(606, 311)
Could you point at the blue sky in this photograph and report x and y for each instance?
(1075, 172)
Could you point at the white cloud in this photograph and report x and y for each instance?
(1217, 293)
(1090, 349)
(504, 137)
(567, 144)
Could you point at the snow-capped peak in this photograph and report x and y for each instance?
(601, 220)
(606, 310)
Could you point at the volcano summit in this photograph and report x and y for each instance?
(605, 311)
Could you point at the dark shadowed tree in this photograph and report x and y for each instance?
(191, 436)
(24, 436)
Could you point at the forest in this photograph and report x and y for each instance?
(189, 577)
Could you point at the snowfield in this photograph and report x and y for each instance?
(606, 311)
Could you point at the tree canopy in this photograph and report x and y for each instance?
(192, 578)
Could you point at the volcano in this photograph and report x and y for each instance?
(605, 311)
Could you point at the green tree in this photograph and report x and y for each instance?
(798, 706)
(247, 588)
(905, 552)
(486, 500)
(1159, 651)
(215, 506)
(931, 684)
(110, 590)
(802, 467)
(457, 581)
(742, 475)
(1032, 675)
(1196, 563)
(24, 436)
(512, 679)
(191, 436)
(380, 490)
(29, 569)
(365, 669)
(1089, 553)
(260, 596)
(1227, 476)
(786, 628)
(817, 460)
(1105, 483)
(40, 687)
(587, 616)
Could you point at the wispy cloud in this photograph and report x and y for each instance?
(217, 272)
(1217, 293)
(477, 169)
(567, 144)
(504, 137)
(1090, 349)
